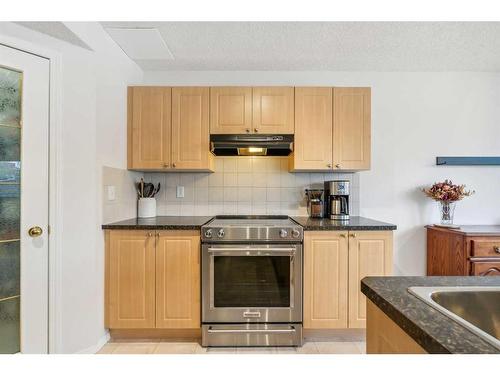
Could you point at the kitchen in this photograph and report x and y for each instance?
(254, 205)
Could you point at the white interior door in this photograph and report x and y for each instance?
(24, 190)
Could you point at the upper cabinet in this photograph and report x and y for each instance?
(230, 110)
(149, 127)
(168, 129)
(190, 130)
(332, 129)
(313, 128)
(273, 110)
(351, 128)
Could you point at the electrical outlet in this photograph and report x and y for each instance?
(180, 192)
(111, 193)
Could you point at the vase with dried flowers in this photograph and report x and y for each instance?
(447, 194)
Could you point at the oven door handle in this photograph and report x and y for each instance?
(267, 250)
(282, 330)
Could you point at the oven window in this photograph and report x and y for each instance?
(252, 281)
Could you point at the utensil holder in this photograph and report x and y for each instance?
(146, 207)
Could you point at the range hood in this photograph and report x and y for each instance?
(251, 144)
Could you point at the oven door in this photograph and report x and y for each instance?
(252, 283)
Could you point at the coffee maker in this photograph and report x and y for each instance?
(337, 200)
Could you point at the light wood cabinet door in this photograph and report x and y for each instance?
(273, 110)
(370, 254)
(325, 279)
(230, 110)
(149, 127)
(351, 128)
(190, 132)
(130, 279)
(178, 279)
(313, 128)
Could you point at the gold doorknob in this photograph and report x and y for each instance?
(35, 231)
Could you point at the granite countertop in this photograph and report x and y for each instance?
(431, 329)
(472, 230)
(354, 223)
(161, 222)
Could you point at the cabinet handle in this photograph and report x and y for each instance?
(353, 235)
(490, 270)
(158, 234)
(256, 130)
(165, 165)
(497, 249)
(150, 234)
(329, 165)
(173, 165)
(337, 165)
(247, 130)
(343, 235)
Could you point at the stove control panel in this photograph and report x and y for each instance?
(251, 232)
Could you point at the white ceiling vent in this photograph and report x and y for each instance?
(141, 43)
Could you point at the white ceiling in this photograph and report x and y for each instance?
(333, 46)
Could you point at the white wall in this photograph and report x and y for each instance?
(93, 134)
(415, 117)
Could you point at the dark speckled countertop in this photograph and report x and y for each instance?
(161, 222)
(354, 223)
(432, 330)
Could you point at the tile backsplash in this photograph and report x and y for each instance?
(243, 185)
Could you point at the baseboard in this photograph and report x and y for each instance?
(95, 348)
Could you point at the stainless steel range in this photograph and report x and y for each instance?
(251, 281)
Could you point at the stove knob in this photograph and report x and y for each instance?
(283, 233)
(295, 233)
(220, 234)
(208, 233)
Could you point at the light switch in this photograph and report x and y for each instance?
(111, 193)
(180, 192)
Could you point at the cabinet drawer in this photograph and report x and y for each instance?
(485, 269)
(485, 248)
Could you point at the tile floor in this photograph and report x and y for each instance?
(160, 347)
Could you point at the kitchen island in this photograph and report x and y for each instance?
(410, 325)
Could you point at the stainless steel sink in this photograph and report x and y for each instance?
(476, 308)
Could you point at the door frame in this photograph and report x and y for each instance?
(55, 187)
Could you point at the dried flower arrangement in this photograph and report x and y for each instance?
(447, 192)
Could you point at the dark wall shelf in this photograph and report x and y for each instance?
(468, 160)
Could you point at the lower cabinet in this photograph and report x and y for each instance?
(152, 279)
(325, 279)
(178, 280)
(334, 264)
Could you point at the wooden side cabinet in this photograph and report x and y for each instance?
(334, 264)
(152, 279)
(472, 250)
